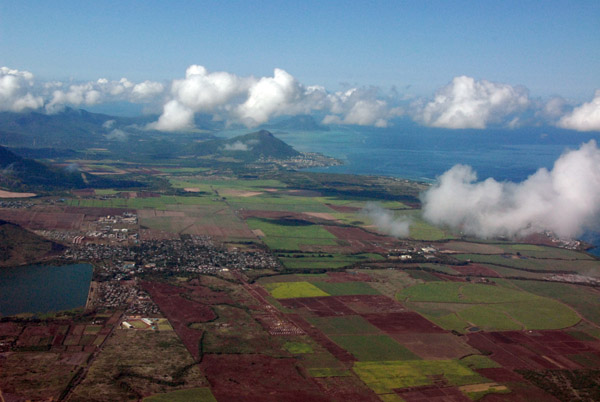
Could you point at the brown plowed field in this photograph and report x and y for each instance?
(365, 304)
(401, 323)
(476, 270)
(534, 350)
(338, 277)
(320, 306)
(500, 374)
(436, 346)
(35, 220)
(258, 378)
(353, 233)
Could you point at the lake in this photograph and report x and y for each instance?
(43, 288)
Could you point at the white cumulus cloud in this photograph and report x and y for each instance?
(175, 116)
(15, 91)
(272, 96)
(564, 200)
(467, 103)
(585, 117)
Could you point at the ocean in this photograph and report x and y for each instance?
(409, 151)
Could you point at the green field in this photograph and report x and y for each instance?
(160, 203)
(346, 288)
(535, 251)
(298, 347)
(328, 372)
(324, 261)
(476, 362)
(457, 306)
(581, 298)
(288, 237)
(345, 325)
(583, 266)
(461, 292)
(374, 347)
(288, 290)
(385, 376)
(184, 395)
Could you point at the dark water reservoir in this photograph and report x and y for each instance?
(43, 288)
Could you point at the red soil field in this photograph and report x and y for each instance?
(449, 278)
(258, 378)
(500, 374)
(521, 392)
(399, 323)
(475, 270)
(97, 212)
(435, 346)
(180, 312)
(320, 306)
(9, 329)
(339, 277)
(36, 220)
(534, 350)
(205, 295)
(353, 233)
(272, 214)
(365, 304)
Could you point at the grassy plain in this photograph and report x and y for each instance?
(374, 347)
(324, 260)
(184, 395)
(385, 376)
(581, 266)
(287, 237)
(346, 288)
(458, 305)
(345, 325)
(287, 290)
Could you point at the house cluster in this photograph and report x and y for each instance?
(191, 254)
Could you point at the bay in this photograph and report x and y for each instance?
(407, 150)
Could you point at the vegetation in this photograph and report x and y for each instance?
(385, 376)
(286, 290)
(184, 395)
(457, 306)
(374, 347)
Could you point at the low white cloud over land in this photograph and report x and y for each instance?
(564, 200)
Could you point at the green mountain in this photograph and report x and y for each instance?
(301, 122)
(22, 174)
(19, 246)
(247, 148)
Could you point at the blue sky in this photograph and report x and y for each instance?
(551, 47)
(417, 48)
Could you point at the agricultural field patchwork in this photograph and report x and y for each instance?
(344, 312)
